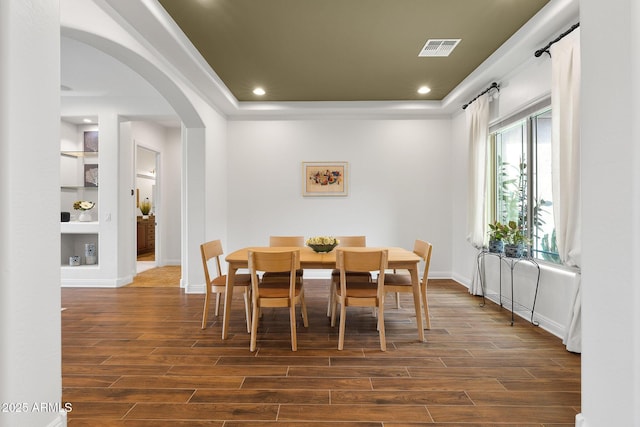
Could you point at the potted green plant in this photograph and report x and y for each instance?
(515, 240)
(497, 233)
(145, 206)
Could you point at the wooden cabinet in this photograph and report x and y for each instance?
(146, 234)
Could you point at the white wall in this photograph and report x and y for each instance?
(216, 180)
(30, 359)
(170, 238)
(610, 155)
(399, 183)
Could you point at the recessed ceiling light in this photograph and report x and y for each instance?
(259, 91)
(424, 89)
(87, 120)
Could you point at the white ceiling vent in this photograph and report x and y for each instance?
(439, 47)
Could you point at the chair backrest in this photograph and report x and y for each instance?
(273, 261)
(352, 241)
(423, 250)
(211, 250)
(361, 260)
(286, 241)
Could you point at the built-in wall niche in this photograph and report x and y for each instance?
(79, 182)
(82, 245)
(79, 166)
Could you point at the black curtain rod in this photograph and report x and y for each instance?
(546, 48)
(493, 85)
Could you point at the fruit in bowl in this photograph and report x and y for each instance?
(322, 243)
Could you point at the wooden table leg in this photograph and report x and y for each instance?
(415, 283)
(228, 297)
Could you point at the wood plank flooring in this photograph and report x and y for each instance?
(136, 356)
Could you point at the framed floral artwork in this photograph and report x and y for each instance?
(324, 178)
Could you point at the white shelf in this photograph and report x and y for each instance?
(67, 267)
(78, 154)
(78, 227)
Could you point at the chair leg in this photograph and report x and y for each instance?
(332, 291)
(398, 300)
(218, 303)
(254, 328)
(383, 341)
(303, 309)
(247, 309)
(292, 321)
(334, 306)
(343, 315)
(425, 304)
(205, 311)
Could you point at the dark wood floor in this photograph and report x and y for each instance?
(137, 357)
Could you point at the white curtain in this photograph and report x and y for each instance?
(477, 114)
(565, 160)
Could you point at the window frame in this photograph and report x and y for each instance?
(525, 117)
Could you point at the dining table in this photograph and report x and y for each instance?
(398, 259)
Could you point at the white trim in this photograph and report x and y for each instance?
(96, 283)
(198, 288)
(59, 421)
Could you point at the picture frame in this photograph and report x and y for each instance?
(321, 179)
(91, 141)
(90, 175)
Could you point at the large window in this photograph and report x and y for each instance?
(520, 187)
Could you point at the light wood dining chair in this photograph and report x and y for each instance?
(360, 294)
(286, 292)
(216, 282)
(284, 241)
(401, 282)
(347, 242)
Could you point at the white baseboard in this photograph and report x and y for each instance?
(59, 421)
(545, 323)
(198, 288)
(96, 283)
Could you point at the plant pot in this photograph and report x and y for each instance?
(145, 206)
(496, 246)
(514, 251)
(85, 216)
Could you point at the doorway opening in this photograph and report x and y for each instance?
(147, 206)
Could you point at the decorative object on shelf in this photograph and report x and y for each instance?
(515, 240)
(84, 207)
(324, 178)
(74, 260)
(497, 233)
(90, 175)
(145, 206)
(90, 253)
(322, 243)
(65, 216)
